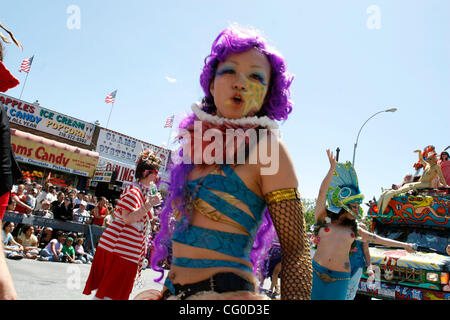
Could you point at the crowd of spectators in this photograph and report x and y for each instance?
(66, 204)
(45, 244)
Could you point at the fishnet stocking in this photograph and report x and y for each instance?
(296, 270)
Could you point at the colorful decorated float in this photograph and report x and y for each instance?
(420, 216)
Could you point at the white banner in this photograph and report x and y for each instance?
(45, 120)
(125, 172)
(116, 146)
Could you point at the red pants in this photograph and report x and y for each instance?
(3, 204)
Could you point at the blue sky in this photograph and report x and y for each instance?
(345, 71)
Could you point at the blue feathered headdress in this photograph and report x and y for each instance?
(344, 189)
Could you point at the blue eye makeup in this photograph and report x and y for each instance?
(231, 70)
(259, 77)
(225, 70)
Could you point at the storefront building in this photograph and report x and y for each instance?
(118, 153)
(59, 163)
(32, 118)
(50, 146)
(69, 152)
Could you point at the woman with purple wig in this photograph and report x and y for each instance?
(225, 198)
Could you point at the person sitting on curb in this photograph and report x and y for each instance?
(69, 252)
(45, 237)
(81, 254)
(29, 242)
(52, 252)
(12, 249)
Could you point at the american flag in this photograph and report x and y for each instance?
(111, 97)
(26, 65)
(169, 122)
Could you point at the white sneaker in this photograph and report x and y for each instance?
(41, 258)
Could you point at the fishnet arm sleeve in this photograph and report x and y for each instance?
(296, 269)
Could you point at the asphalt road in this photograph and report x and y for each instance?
(43, 280)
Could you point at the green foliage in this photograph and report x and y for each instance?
(310, 205)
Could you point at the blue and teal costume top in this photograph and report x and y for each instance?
(232, 244)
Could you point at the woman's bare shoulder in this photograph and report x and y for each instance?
(275, 165)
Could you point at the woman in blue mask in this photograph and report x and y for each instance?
(335, 231)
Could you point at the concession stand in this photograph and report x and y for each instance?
(65, 164)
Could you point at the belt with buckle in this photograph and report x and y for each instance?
(220, 283)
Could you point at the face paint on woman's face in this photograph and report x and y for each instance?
(253, 96)
(241, 84)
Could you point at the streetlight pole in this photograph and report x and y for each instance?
(357, 138)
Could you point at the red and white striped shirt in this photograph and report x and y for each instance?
(123, 239)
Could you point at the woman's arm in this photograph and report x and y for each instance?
(366, 253)
(441, 176)
(54, 251)
(95, 212)
(35, 242)
(286, 210)
(320, 210)
(71, 258)
(369, 267)
(22, 204)
(421, 160)
(15, 243)
(373, 238)
(365, 246)
(19, 240)
(130, 217)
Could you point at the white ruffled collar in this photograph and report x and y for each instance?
(265, 121)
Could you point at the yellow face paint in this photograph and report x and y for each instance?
(253, 97)
(254, 94)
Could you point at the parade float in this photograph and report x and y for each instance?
(415, 215)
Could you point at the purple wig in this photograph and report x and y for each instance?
(277, 106)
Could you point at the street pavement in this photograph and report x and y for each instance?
(43, 280)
